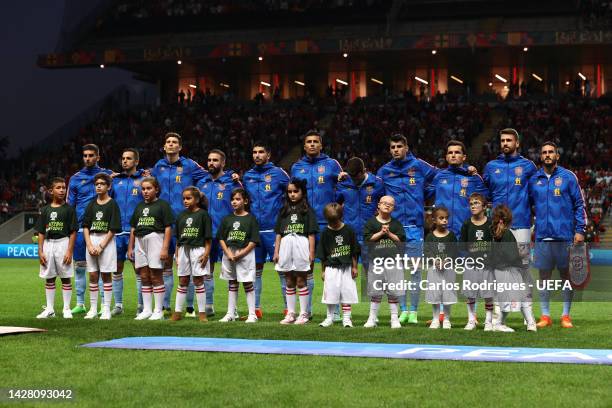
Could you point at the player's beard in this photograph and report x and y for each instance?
(214, 170)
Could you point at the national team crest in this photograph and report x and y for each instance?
(145, 212)
(321, 169)
(268, 178)
(339, 240)
(189, 221)
(464, 182)
(518, 171)
(294, 218)
(441, 247)
(53, 216)
(411, 172)
(221, 186)
(99, 215)
(179, 170)
(479, 235)
(236, 225)
(136, 182)
(369, 189)
(558, 181)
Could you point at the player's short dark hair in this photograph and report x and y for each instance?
(261, 143)
(219, 152)
(133, 150)
(479, 197)
(549, 143)
(510, 131)
(333, 212)
(398, 138)
(456, 143)
(103, 176)
(91, 146)
(56, 180)
(313, 132)
(245, 197)
(173, 134)
(354, 165)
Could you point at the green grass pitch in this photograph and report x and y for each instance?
(106, 377)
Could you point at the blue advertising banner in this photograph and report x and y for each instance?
(22, 251)
(381, 350)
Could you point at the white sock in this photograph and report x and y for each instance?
(201, 297)
(303, 299)
(330, 311)
(394, 308)
(374, 306)
(147, 294)
(346, 311)
(66, 294)
(435, 312)
(447, 312)
(108, 294)
(250, 298)
(471, 309)
(93, 296)
(181, 295)
(488, 311)
(158, 294)
(232, 298)
(527, 309)
(50, 295)
(291, 298)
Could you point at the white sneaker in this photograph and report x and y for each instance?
(395, 323)
(435, 324)
(446, 324)
(289, 318)
(106, 314)
(488, 326)
(157, 316)
(371, 323)
(92, 314)
(144, 315)
(229, 317)
(236, 315)
(471, 325)
(533, 327)
(302, 319)
(327, 322)
(45, 314)
(251, 319)
(503, 328)
(347, 322)
(67, 313)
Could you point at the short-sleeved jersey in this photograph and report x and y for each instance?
(238, 230)
(57, 222)
(297, 223)
(384, 246)
(476, 238)
(193, 228)
(338, 247)
(441, 247)
(102, 217)
(151, 217)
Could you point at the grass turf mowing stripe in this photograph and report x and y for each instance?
(343, 349)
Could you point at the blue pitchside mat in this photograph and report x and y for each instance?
(382, 350)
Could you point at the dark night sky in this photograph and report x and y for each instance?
(37, 101)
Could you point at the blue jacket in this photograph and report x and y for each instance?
(81, 189)
(127, 194)
(266, 186)
(406, 181)
(219, 195)
(360, 202)
(452, 187)
(558, 205)
(321, 175)
(507, 179)
(173, 178)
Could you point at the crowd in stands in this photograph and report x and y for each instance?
(580, 126)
